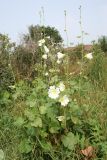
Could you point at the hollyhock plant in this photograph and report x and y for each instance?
(46, 49)
(89, 56)
(64, 100)
(53, 92)
(41, 42)
(44, 56)
(60, 55)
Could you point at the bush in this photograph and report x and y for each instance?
(56, 115)
(6, 74)
(96, 70)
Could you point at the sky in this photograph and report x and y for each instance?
(17, 15)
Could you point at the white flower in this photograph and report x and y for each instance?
(46, 49)
(61, 86)
(64, 100)
(53, 92)
(72, 73)
(41, 42)
(48, 37)
(80, 73)
(12, 87)
(58, 61)
(60, 118)
(60, 55)
(44, 56)
(46, 74)
(89, 56)
(78, 62)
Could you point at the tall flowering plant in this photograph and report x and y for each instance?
(51, 113)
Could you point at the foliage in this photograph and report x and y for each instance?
(6, 77)
(77, 51)
(57, 114)
(96, 71)
(102, 41)
(6, 74)
(38, 32)
(23, 61)
(27, 55)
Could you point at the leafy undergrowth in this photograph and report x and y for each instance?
(60, 115)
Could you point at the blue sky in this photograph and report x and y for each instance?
(17, 15)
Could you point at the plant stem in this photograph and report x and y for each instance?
(67, 61)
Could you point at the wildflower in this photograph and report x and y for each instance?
(72, 73)
(75, 100)
(46, 49)
(44, 56)
(61, 86)
(78, 62)
(58, 61)
(64, 100)
(46, 74)
(89, 56)
(53, 92)
(60, 55)
(80, 73)
(41, 42)
(48, 37)
(12, 87)
(60, 118)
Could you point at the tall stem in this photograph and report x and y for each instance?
(65, 29)
(82, 37)
(67, 62)
(40, 17)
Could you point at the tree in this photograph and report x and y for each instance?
(27, 55)
(23, 61)
(6, 74)
(102, 41)
(37, 32)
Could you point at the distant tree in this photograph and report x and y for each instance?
(37, 32)
(23, 61)
(76, 53)
(6, 74)
(102, 41)
(5, 47)
(28, 54)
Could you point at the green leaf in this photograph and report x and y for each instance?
(75, 120)
(54, 126)
(69, 141)
(43, 109)
(47, 146)
(54, 129)
(6, 95)
(19, 122)
(1, 154)
(43, 133)
(52, 112)
(25, 146)
(31, 101)
(37, 122)
(30, 115)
